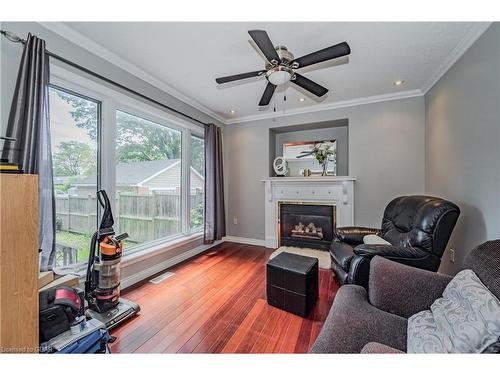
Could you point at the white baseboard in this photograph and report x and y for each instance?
(139, 276)
(244, 240)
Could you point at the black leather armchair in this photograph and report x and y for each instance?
(417, 228)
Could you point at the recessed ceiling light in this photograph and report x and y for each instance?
(398, 83)
(302, 99)
(232, 111)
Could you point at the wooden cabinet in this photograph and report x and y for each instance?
(18, 263)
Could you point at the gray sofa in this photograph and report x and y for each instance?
(376, 321)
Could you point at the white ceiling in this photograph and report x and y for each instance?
(185, 58)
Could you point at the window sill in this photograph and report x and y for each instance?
(156, 249)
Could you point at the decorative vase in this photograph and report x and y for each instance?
(323, 173)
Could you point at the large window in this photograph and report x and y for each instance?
(197, 181)
(74, 122)
(148, 179)
(150, 163)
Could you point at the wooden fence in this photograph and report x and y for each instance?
(145, 217)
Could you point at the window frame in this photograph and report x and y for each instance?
(112, 100)
(200, 228)
(88, 95)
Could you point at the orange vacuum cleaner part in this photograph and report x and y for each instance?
(109, 248)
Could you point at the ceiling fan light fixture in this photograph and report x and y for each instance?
(279, 75)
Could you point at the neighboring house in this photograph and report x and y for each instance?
(143, 177)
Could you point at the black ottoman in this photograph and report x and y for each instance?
(292, 283)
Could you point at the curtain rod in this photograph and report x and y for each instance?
(15, 39)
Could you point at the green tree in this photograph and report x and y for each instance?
(84, 112)
(198, 154)
(137, 139)
(141, 140)
(74, 159)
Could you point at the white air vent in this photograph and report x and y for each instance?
(161, 278)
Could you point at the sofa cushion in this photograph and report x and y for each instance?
(465, 320)
(352, 323)
(484, 260)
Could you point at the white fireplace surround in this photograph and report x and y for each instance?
(336, 189)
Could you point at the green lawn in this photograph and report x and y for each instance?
(80, 242)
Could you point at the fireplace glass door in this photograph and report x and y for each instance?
(306, 225)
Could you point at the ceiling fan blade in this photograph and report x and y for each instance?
(262, 40)
(309, 85)
(268, 94)
(338, 50)
(237, 77)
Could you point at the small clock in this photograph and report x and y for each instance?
(280, 166)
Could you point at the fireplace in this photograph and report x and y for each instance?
(306, 224)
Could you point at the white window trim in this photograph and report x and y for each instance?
(113, 100)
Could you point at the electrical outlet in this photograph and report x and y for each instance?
(235, 221)
(452, 256)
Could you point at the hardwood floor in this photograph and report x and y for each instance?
(216, 303)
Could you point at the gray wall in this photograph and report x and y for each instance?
(339, 133)
(386, 155)
(463, 142)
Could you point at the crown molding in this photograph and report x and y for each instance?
(76, 37)
(330, 106)
(463, 45)
(95, 48)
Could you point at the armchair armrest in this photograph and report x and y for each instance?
(401, 289)
(354, 235)
(391, 251)
(377, 348)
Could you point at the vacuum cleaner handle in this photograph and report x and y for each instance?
(90, 263)
(107, 220)
(102, 196)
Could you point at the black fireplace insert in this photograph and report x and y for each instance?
(306, 225)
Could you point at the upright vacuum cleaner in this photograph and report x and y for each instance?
(102, 283)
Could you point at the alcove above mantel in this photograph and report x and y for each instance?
(312, 132)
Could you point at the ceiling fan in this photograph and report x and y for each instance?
(281, 65)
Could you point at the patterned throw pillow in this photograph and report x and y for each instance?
(465, 320)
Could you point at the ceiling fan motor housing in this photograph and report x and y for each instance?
(285, 55)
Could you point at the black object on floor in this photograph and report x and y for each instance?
(292, 283)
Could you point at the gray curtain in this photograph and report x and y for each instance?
(29, 124)
(215, 216)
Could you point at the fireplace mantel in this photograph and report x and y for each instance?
(309, 179)
(336, 189)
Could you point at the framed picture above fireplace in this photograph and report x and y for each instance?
(300, 157)
(292, 150)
